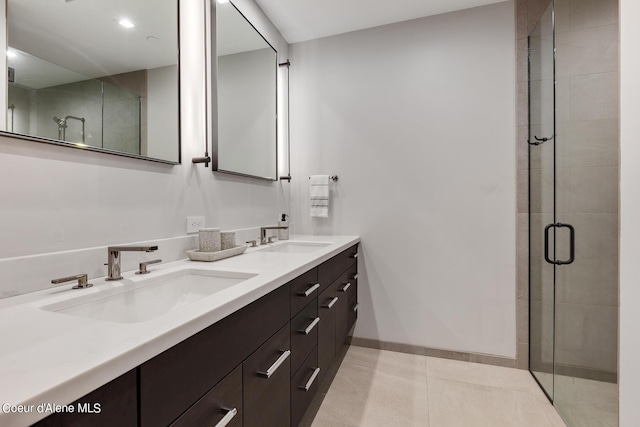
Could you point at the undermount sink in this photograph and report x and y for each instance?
(297, 247)
(150, 298)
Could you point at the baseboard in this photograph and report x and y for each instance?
(576, 372)
(435, 352)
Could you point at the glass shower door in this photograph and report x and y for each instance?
(586, 192)
(573, 209)
(541, 201)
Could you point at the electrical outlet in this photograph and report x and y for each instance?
(194, 223)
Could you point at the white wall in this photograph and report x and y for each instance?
(417, 119)
(57, 199)
(629, 213)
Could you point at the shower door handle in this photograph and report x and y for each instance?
(546, 243)
(572, 243)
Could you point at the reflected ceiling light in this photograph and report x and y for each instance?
(11, 54)
(222, 1)
(126, 23)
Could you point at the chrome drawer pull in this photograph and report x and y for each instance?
(310, 327)
(347, 286)
(331, 303)
(355, 255)
(309, 383)
(355, 307)
(227, 418)
(309, 291)
(273, 368)
(355, 276)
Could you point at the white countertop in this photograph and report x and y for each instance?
(56, 358)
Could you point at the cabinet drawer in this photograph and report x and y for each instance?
(222, 404)
(304, 334)
(333, 268)
(304, 386)
(175, 379)
(327, 304)
(118, 406)
(351, 255)
(352, 314)
(352, 273)
(303, 289)
(266, 383)
(343, 287)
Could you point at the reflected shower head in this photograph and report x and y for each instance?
(60, 121)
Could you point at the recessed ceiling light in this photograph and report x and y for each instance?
(222, 1)
(11, 54)
(126, 23)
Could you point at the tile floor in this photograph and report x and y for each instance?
(383, 388)
(585, 403)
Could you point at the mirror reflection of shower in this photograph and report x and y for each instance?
(115, 108)
(62, 126)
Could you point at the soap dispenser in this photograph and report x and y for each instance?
(284, 233)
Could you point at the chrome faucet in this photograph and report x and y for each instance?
(263, 233)
(113, 268)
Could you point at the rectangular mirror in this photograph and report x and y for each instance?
(95, 74)
(244, 142)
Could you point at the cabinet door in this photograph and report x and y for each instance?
(117, 406)
(304, 335)
(222, 405)
(327, 302)
(266, 382)
(330, 270)
(352, 314)
(343, 287)
(304, 386)
(347, 290)
(304, 289)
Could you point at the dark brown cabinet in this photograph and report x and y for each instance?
(175, 379)
(346, 290)
(327, 329)
(221, 405)
(304, 335)
(266, 383)
(260, 366)
(335, 305)
(304, 289)
(114, 404)
(304, 386)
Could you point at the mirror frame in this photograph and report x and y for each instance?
(7, 134)
(213, 95)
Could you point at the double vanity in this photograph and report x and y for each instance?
(242, 341)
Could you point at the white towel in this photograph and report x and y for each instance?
(319, 195)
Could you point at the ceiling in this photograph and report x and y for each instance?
(234, 33)
(300, 20)
(85, 36)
